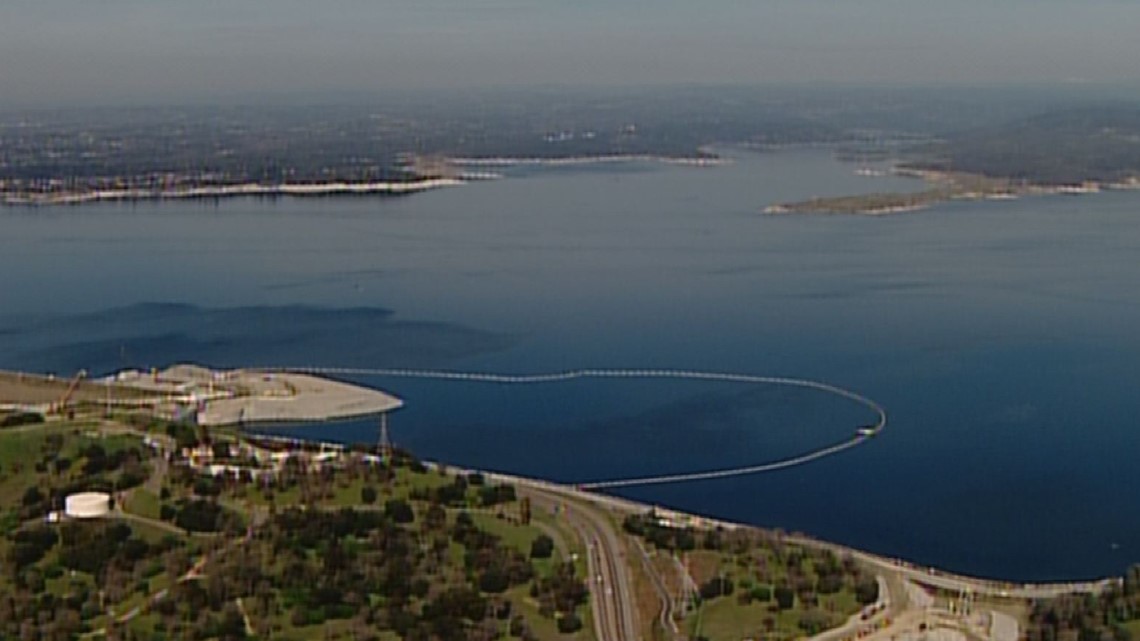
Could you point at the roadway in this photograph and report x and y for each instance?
(609, 582)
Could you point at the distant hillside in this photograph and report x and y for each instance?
(1062, 147)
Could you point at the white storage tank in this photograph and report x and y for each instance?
(87, 505)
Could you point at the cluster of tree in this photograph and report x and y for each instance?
(59, 475)
(495, 567)
(97, 460)
(1065, 147)
(453, 494)
(663, 536)
(764, 568)
(373, 570)
(29, 545)
(391, 568)
(93, 547)
(560, 595)
(1084, 617)
(718, 586)
(17, 419)
(201, 515)
(492, 495)
(117, 560)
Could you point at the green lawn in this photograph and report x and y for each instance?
(349, 495)
(726, 619)
(517, 536)
(406, 480)
(144, 503)
(569, 537)
(19, 451)
(68, 583)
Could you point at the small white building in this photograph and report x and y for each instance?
(87, 505)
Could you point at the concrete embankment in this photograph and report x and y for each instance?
(287, 398)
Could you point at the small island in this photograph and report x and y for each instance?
(944, 187)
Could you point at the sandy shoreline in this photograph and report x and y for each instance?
(338, 188)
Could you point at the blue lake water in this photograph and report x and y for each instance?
(1003, 339)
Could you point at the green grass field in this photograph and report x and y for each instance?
(519, 537)
(727, 619)
(547, 629)
(143, 503)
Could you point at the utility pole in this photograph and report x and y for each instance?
(385, 442)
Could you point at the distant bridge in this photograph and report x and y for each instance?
(861, 436)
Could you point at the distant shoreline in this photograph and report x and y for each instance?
(514, 161)
(478, 172)
(300, 190)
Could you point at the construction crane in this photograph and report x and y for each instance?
(61, 405)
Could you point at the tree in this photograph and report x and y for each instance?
(368, 495)
(713, 540)
(96, 459)
(813, 622)
(685, 539)
(785, 597)
(717, 586)
(399, 511)
(436, 518)
(761, 593)
(199, 516)
(494, 580)
(569, 623)
(867, 590)
(829, 583)
(1132, 580)
(542, 547)
(33, 496)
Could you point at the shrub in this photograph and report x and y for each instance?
(761, 593)
(785, 598)
(569, 623)
(368, 495)
(542, 547)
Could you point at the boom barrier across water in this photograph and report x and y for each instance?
(861, 436)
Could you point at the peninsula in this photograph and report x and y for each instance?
(1070, 152)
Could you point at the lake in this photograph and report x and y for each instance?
(1002, 338)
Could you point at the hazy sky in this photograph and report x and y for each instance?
(73, 51)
